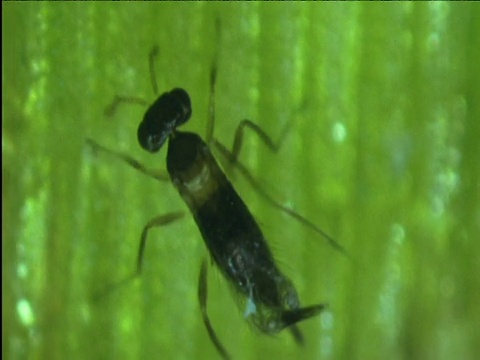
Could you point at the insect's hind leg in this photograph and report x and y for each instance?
(202, 297)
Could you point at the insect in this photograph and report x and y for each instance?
(234, 240)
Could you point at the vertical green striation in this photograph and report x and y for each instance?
(382, 153)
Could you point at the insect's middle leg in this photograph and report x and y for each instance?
(232, 155)
(157, 221)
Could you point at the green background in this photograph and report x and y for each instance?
(383, 154)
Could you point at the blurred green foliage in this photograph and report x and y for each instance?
(383, 154)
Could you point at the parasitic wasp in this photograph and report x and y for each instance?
(234, 240)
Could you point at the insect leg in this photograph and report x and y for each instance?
(256, 185)
(111, 109)
(151, 66)
(156, 221)
(213, 81)
(154, 173)
(202, 297)
(232, 156)
(267, 140)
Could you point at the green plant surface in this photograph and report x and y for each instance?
(381, 102)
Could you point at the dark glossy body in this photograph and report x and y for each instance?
(230, 232)
(234, 240)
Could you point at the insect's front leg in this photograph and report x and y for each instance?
(130, 161)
